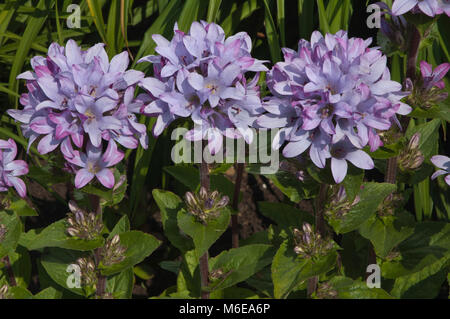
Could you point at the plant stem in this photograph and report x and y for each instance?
(235, 205)
(10, 272)
(411, 63)
(204, 267)
(320, 228)
(101, 280)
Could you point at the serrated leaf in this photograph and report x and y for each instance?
(170, 204)
(55, 235)
(203, 235)
(139, 246)
(121, 284)
(288, 270)
(239, 264)
(387, 232)
(285, 215)
(371, 196)
(348, 288)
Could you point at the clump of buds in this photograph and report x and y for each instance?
(339, 205)
(411, 157)
(390, 204)
(82, 224)
(216, 274)
(309, 244)
(429, 88)
(326, 291)
(294, 169)
(205, 205)
(4, 292)
(88, 272)
(3, 231)
(394, 32)
(113, 252)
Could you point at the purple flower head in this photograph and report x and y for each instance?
(334, 88)
(429, 88)
(433, 78)
(75, 96)
(428, 7)
(202, 75)
(94, 163)
(442, 162)
(10, 168)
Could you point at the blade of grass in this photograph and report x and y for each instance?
(305, 18)
(213, 9)
(58, 25)
(30, 33)
(281, 20)
(272, 35)
(324, 27)
(162, 25)
(95, 7)
(246, 9)
(192, 10)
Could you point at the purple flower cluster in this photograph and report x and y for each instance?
(442, 162)
(201, 75)
(80, 98)
(429, 7)
(332, 97)
(10, 169)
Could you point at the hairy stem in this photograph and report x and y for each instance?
(235, 205)
(411, 64)
(101, 280)
(320, 228)
(204, 268)
(10, 272)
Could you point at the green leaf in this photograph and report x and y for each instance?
(13, 231)
(348, 288)
(213, 9)
(139, 246)
(422, 256)
(239, 264)
(429, 135)
(95, 7)
(241, 12)
(203, 235)
(48, 293)
(21, 266)
(55, 263)
(192, 10)
(388, 231)
(55, 235)
(234, 293)
(21, 208)
(272, 35)
(288, 270)
(122, 226)
(20, 293)
(285, 215)
(170, 204)
(353, 181)
(372, 195)
(121, 284)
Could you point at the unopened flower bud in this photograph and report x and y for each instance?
(205, 205)
(82, 224)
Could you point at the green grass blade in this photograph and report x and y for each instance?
(281, 20)
(245, 10)
(192, 10)
(213, 9)
(305, 18)
(324, 27)
(162, 25)
(95, 7)
(272, 35)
